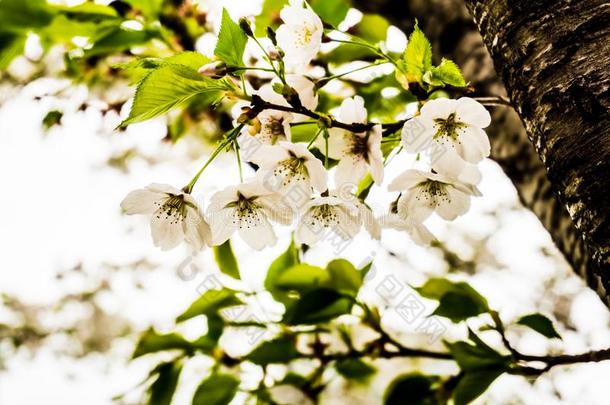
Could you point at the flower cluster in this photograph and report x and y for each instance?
(293, 177)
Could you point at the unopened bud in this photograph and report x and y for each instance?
(275, 53)
(271, 35)
(215, 70)
(244, 24)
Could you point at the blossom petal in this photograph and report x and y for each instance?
(474, 144)
(407, 179)
(258, 234)
(438, 108)
(416, 134)
(142, 201)
(455, 205)
(350, 170)
(414, 207)
(472, 112)
(375, 155)
(222, 224)
(166, 230)
(317, 174)
(196, 231)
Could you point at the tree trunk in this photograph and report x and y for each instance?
(454, 34)
(553, 58)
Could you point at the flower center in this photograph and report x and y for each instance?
(247, 213)
(360, 146)
(435, 192)
(291, 169)
(273, 128)
(305, 35)
(173, 209)
(324, 215)
(448, 127)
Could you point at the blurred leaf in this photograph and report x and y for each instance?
(372, 28)
(151, 342)
(345, 277)
(168, 86)
(354, 369)
(52, 118)
(209, 303)
(302, 277)
(218, 389)
(88, 12)
(280, 350)
(331, 11)
(11, 46)
(540, 324)
(231, 41)
(23, 15)
(473, 357)
(117, 39)
(225, 258)
(457, 300)
(317, 306)
(303, 132)
(162, 389)
(345, 53)
(282, 263)
(418, 56)
(268, 17)
(412, 389)
(149, 8)
(473, 383)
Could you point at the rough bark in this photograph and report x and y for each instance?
(553, 58)
(455, 35)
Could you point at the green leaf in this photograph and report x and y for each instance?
(117, 39)
(268, 17)
(225, 258)
(149, 8)
(218, 389)
(540, 324)
(282, 263)
(167, 87)
(447, 73)
(317, 306)
(345, 53)
(457, 300)
(345, 277)
(372, 28)
(231, 41)
(472, 384)
(89, 12)
(279, 350)
(331, 11)
(302, 277)
(210, 303)
(412, 389)
(162, 389)
(354, 369)
(151, 342)
(23, 15)
(473, 357)
(52, 118)
(11, 46)
(417, 56)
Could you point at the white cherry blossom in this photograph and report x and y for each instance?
(367, 217)
(300, 36)
(288, 165)
(304, 87)
(325, 215)
(426, 192)
(356, 152)
(270, 127)
(446, 126)
(176, 217)
(247, 208)
(419, 233)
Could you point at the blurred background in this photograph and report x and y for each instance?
(79, 281)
